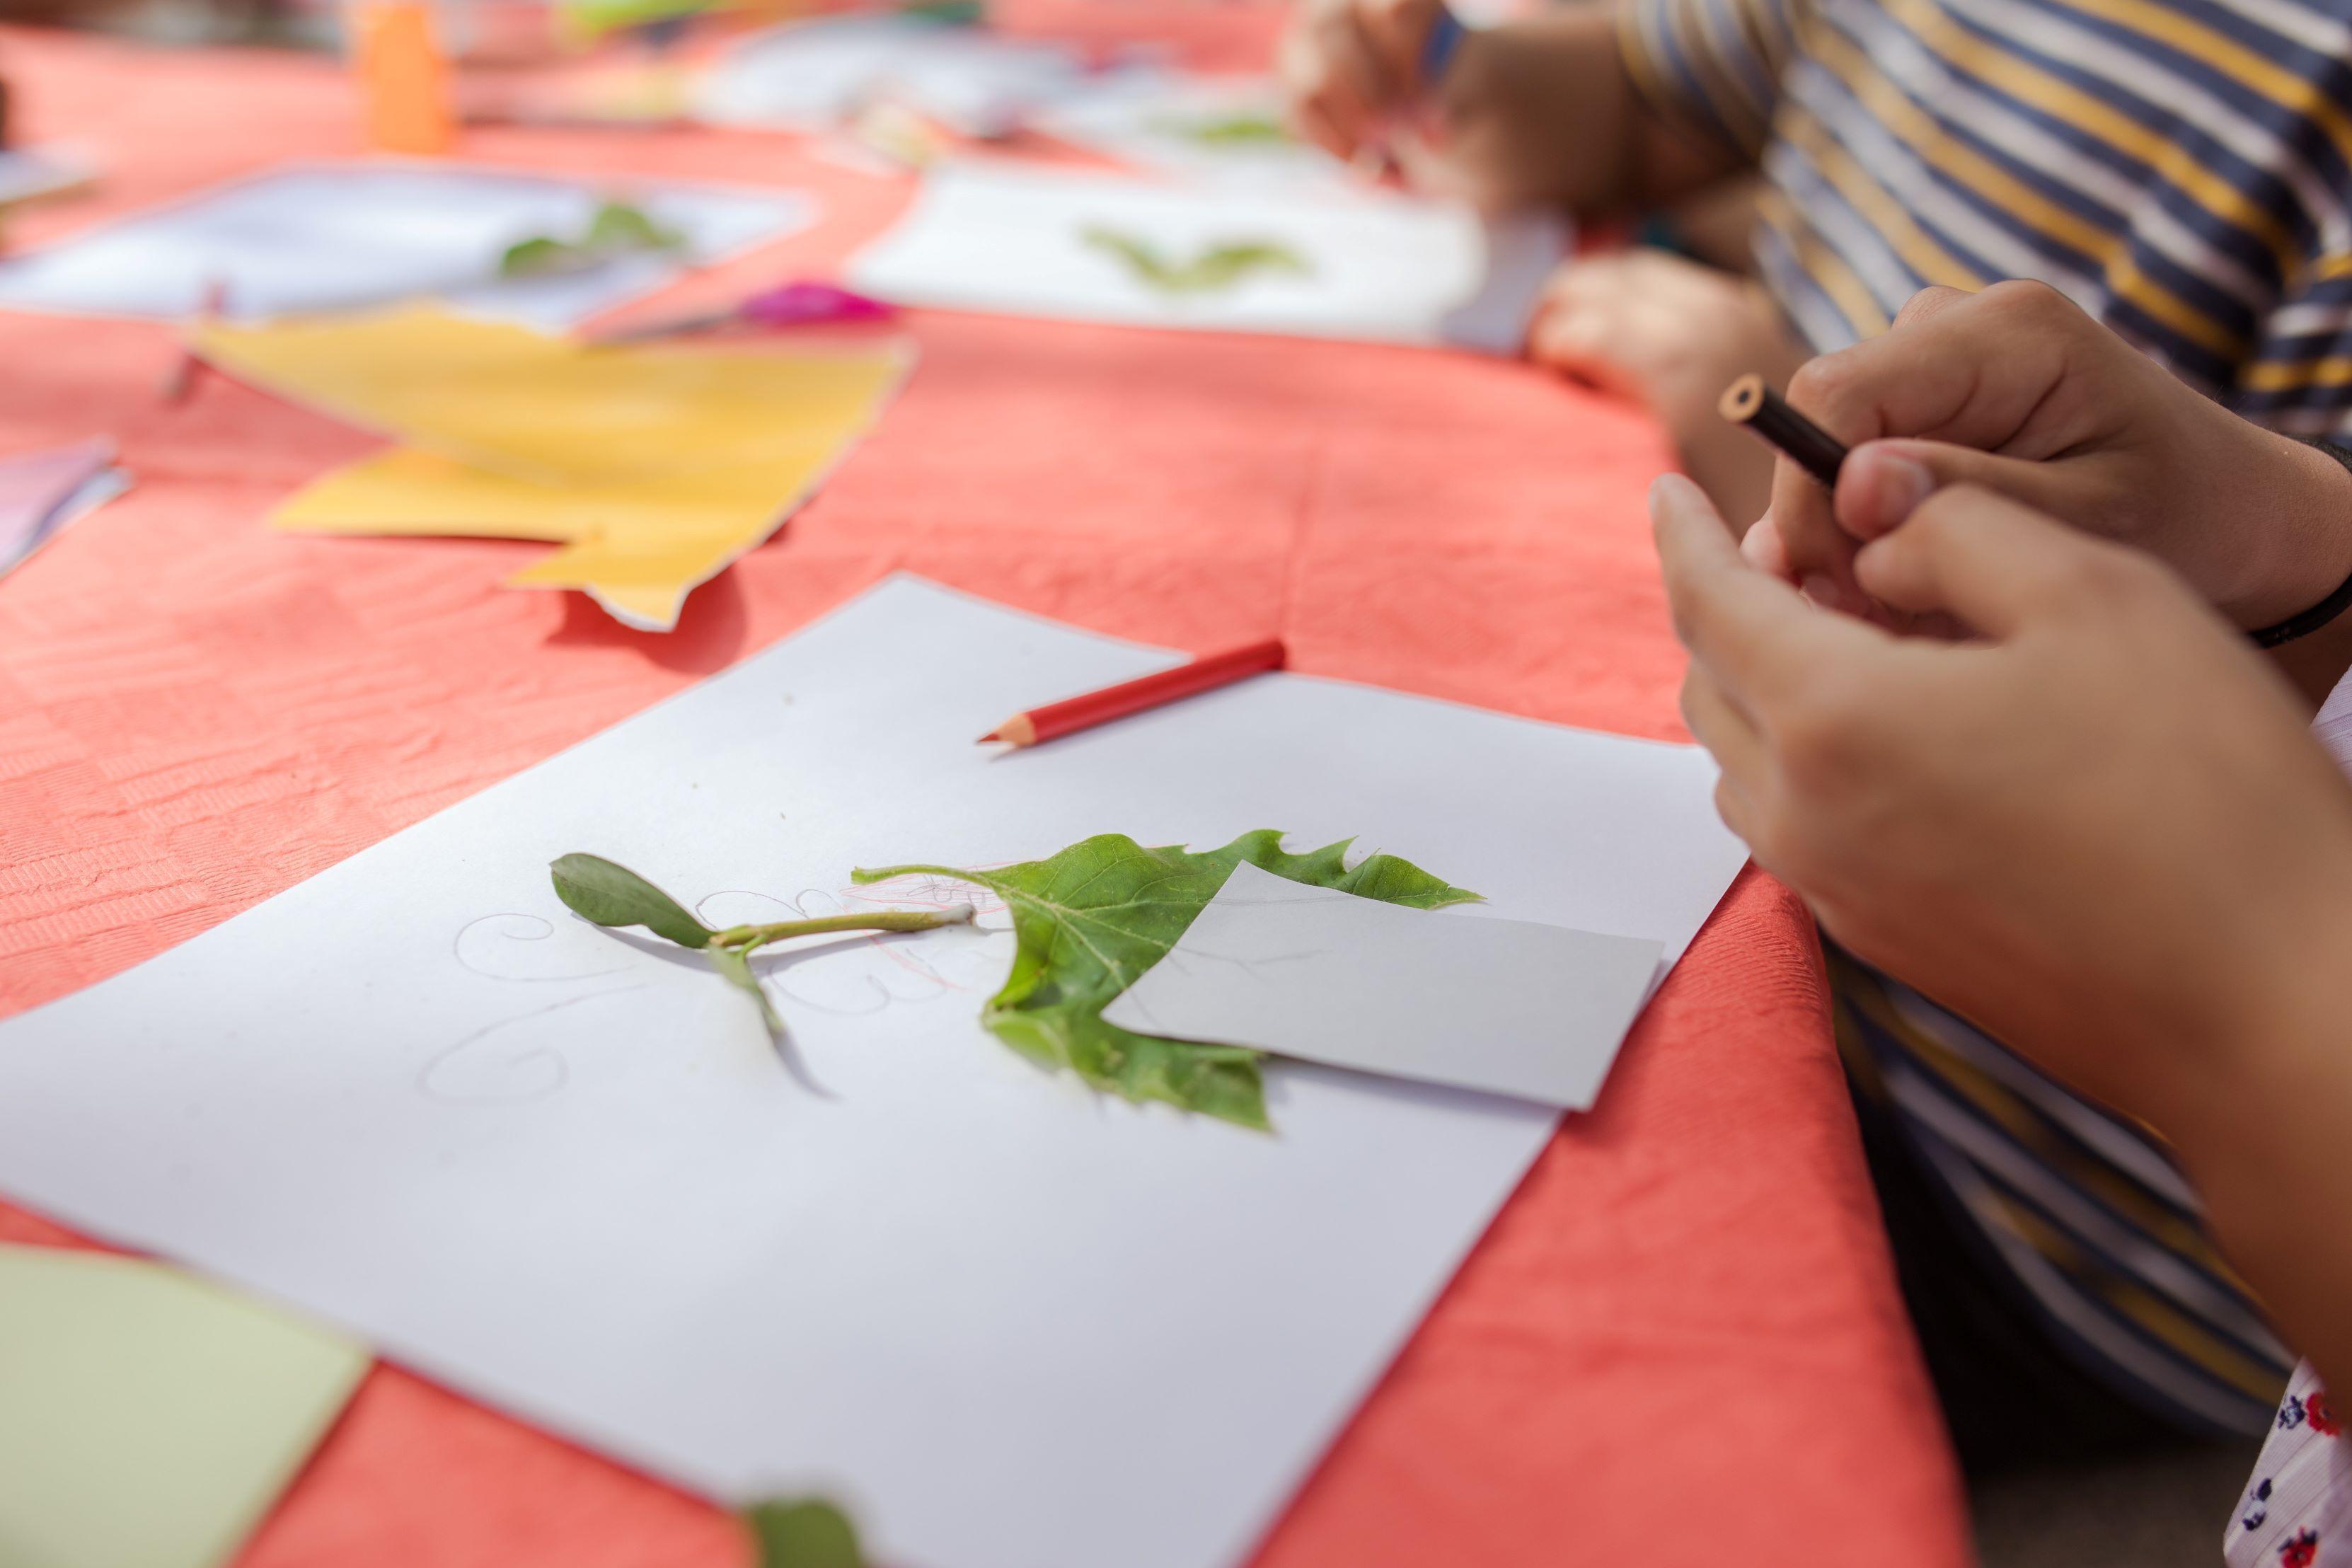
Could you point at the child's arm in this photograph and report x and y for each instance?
(2098, 829)
(1545, 110)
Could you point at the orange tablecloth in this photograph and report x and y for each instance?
(1679, 1344)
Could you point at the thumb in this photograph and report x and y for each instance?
(1882, 482)
(1982, 557)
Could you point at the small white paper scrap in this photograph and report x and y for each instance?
(30, 174)
(1511, 1008)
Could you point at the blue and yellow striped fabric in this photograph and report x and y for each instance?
(2096, 1233)
(2180, 168)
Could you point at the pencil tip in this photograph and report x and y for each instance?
(984, 740)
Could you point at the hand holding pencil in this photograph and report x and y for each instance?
(2016, 390)
(1359, 71)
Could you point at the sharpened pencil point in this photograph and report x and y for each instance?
(984, 740)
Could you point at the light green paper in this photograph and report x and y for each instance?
(148, 1419)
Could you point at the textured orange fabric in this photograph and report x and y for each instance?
(1679, 1344)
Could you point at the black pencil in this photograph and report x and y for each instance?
(1750, 401)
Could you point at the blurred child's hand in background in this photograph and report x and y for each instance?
(1352, 69)
(1540, 111)
(1671, 334)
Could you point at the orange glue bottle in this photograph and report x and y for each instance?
(403, 80)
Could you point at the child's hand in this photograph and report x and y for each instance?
(1656, 328)
(1535, 111)
(1352, 66)
(1670, 333)
(2018, 390)
(2100, 830)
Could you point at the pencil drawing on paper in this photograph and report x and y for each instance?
(519, 1058)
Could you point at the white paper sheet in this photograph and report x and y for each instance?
(42, 491)
(318, 236)
(1014, 241)
(28, 173)
(812, 76)
(1165, 121)
(1013, 1324)
(1510, 1007)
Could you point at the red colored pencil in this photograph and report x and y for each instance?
(1203, 674)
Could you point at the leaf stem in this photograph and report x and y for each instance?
(749, 937)
(862, 875)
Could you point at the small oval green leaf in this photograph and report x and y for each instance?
(802, 1533)
(595, 889)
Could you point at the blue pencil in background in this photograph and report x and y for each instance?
(1378, 160)
(1438, 49)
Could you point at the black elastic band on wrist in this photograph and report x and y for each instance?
(2328, 609)
(2310, 621)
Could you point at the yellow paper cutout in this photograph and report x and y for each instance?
(671, 534)
(655, 467)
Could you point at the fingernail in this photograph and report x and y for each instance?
(1903, 485)
(1821, 589)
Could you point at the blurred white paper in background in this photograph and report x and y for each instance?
(319, 236)
(1008, 1321)
(1212, 130)
(1513, 1007)
(1023, 242)
(42, 491)
(816, 76)
(31, 173)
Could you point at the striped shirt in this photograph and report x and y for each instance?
(2180, 168)
(2080, 1212)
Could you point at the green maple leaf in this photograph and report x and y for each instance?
(618, 226)
(1088, 921)
(1140, 255)
(1223, 266)
(1217, 267)
(617, 229)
